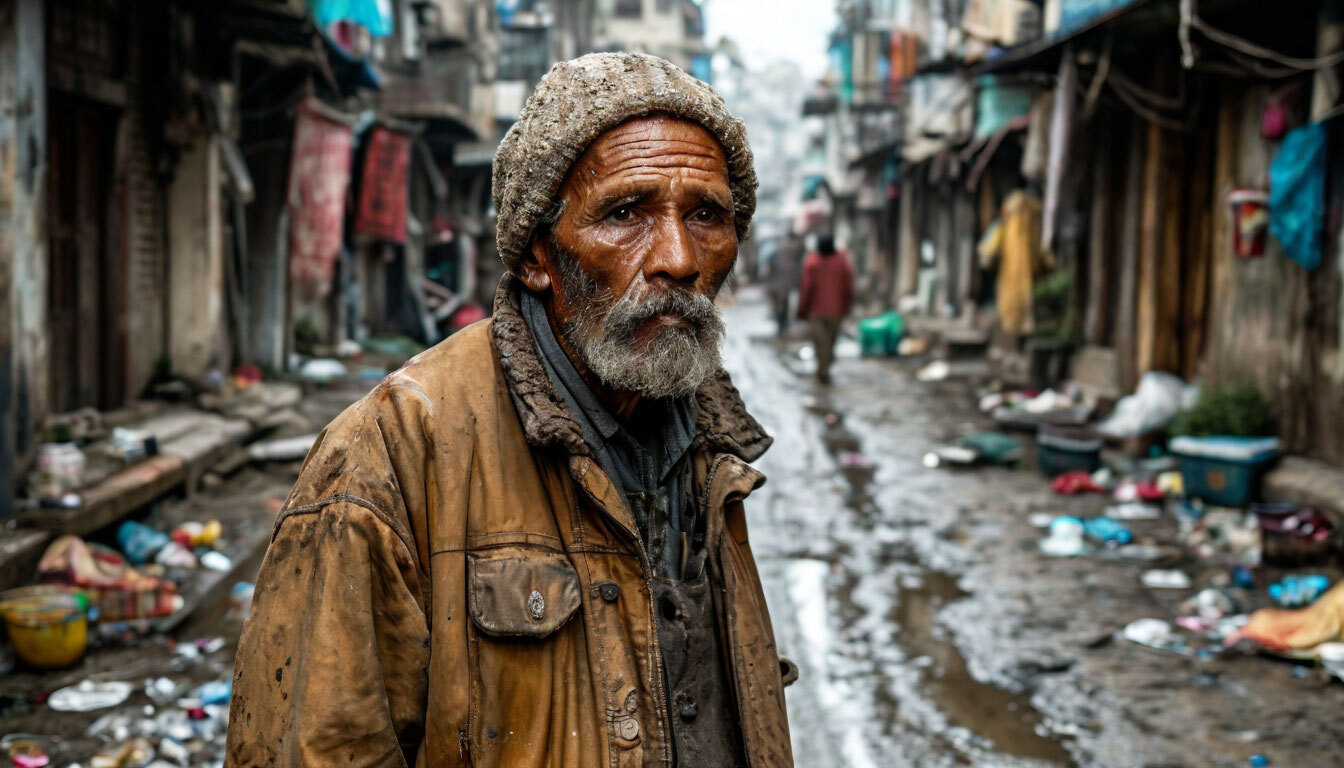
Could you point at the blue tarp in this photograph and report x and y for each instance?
(1297, 194)
(373, 15)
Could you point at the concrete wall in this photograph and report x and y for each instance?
(196, 338)
(23, 238)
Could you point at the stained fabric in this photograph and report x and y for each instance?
(649, 468)
(650, 465)
(1014, 242)
(319, 174)
(1297, 194)
(416, 605)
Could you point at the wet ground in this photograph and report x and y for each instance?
(928, 628)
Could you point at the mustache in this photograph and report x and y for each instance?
(632, 311)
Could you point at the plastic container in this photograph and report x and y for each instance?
(1061, 449)
(48, 626)
(881, 335)
(1224, 471)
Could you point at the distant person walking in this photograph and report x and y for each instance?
(783, 278)
(826, 295)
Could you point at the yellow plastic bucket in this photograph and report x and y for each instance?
(48, 626)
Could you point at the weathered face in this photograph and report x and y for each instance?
(645, 240)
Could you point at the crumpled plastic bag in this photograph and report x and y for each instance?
(1158, 399)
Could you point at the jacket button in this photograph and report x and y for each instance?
(609, 591)
(630, 729)
(689, 710)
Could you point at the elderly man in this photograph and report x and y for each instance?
(527, 547)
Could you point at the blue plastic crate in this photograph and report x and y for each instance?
(1224, 471)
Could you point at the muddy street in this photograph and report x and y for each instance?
(930, 631)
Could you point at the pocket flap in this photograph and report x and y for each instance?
(522, 596)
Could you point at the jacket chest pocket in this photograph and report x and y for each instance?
(522, 595)
(525, 648)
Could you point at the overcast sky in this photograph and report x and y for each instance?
(774, 29)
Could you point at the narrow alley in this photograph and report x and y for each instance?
(928, 628)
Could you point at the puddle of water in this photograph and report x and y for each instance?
(1002, 717)
(1007, 719)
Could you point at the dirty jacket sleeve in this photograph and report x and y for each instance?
(331, 665)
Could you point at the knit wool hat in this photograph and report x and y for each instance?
(579, 100)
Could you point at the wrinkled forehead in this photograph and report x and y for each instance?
(651, 145)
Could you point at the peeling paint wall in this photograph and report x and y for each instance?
(23, 280)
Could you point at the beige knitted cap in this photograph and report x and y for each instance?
(576, 102)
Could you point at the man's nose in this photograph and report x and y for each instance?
(674, 258)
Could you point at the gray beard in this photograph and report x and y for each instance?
(673, 364)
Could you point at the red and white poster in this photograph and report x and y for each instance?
(319, 176)
(382, 187)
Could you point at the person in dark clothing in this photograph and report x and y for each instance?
(783, 279)
(826, 295)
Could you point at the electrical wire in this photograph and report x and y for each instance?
(1260, 52)
(1099, 78)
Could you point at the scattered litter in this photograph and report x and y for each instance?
(1295, 591)
(322, 370)
(1258, 761)
(140, 542)
(216, 692)
(160, 690)
(950, 454)
(1073, 483)
(134, 444)
(25, 750)
(88, 696)
(1158, 399)
(1210, 603)
(995, 447)
(59, 470)
(1106, 530)
(1135, 491)
(1040, 519)
(216, 561)
(240, 600)
(1332, 658)
(282, 449)
(1165, 579)
(1153, 633)
(1144, 551)
(1065, 539)
(937, 370)
(127, 754)
(1134, 511)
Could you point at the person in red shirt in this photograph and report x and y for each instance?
(825, 297)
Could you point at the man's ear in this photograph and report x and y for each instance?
(533, 266)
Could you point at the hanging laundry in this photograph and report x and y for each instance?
(382, 186)
(1297, 194)
(1015, 242)
(319, 175)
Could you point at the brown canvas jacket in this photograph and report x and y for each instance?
(454, 582)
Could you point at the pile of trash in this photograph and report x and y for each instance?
(179, 723)
(1241, 575)
(86, 588)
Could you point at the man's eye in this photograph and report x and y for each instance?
(621, 215)
(705, 216)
